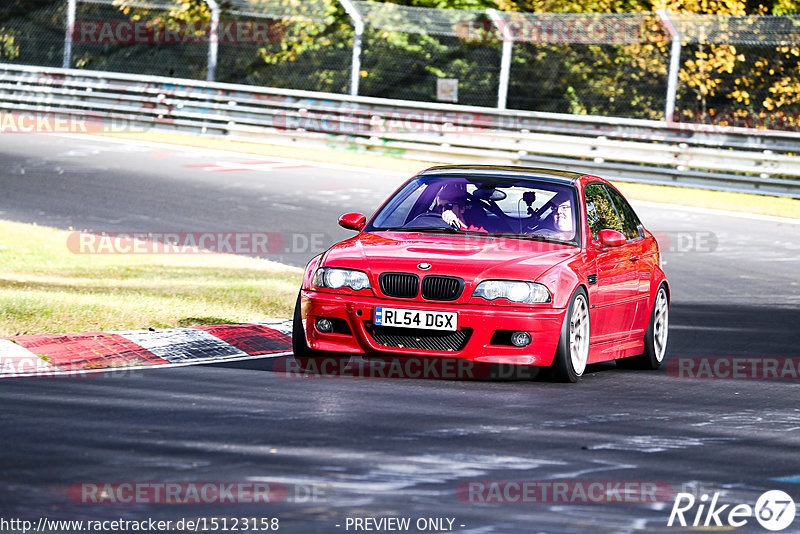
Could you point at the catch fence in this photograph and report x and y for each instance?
(714, 69)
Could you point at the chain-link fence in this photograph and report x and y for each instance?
(727, 70)
(596, 64)
(101, 40)
(32, 33)
(741, 71)
(292, 44)
(407, 50)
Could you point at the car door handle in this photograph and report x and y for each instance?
(634, 258)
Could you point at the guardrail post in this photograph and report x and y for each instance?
(505, 59)
(674, 64)
(67, 60)
(358, 27)
(213, 40)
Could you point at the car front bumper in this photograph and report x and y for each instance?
(479, 323)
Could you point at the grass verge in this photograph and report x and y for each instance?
(703, 198)
(719, 200)
(45, 288)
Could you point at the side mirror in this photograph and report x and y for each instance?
(353, 221)
(611, 238)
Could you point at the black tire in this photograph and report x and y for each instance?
(308, 359)
(299, 346)
(563, 369)
(654, 348)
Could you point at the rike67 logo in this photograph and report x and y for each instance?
(774, 510)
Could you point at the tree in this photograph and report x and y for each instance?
(9, 49)
(701, 71)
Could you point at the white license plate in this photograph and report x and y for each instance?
(428, 320)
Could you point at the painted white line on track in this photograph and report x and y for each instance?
(210, 152)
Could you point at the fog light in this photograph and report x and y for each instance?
(324, 325)
(519, 339)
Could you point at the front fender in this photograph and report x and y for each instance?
(311, 268)
(561, 280)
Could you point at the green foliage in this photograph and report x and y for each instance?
(786, 7)
(477, 5)
(9, 49)
(576, 6)
(32, 33)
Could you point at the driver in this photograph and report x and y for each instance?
(451, 202)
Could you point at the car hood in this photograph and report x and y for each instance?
(471, 257)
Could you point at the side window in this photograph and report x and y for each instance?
(630, 222)
(600, 212)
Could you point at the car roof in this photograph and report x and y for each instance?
(532, 173)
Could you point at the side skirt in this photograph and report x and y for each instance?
(612, 350)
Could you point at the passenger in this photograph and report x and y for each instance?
(563, 227)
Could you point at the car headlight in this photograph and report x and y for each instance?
(529, 292)
(336, 278)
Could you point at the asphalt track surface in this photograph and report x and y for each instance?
(395, 448)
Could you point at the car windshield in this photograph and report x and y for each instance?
(513, 207)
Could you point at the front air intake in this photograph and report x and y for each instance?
(400, 285)
(442, 287)
(430, 340)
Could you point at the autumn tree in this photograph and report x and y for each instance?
(9, 49)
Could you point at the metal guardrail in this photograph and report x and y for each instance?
(733, 159)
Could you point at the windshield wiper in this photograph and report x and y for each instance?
(537, 237)
(426, 229)
(534, 237)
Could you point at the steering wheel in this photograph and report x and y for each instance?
(427, 220)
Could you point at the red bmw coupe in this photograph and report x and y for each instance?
(492, 264)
